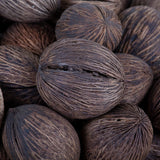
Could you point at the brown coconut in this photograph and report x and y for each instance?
(79, 78)
(36, 132)
(123, 133)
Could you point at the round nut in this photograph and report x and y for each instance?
(28, 10)
(33, 37)
(138, 78)
(79, 78)
(36, 132)
(141, 35)
(90, 22)
(18, 69)
(123, 133)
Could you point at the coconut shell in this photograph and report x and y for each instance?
(113, 5)
(80, 78)
(91, 22)
(28, 10)
(154, 153)
(33, 37)
(154, 104)
(154, 3)
(123, 133)
(1, 107)
(36, 132)
(142, 35)
(138, 78)
(18, 69)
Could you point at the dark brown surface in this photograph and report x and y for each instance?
(125, 133)
(28, 10)
(80, 78)
(90, 22)
(33, 37)
(4, 23)
(154, 153)
(113, 5)
(138, 78)
(1, 107)
(142, 35)
(3, 154)
(125, 4)
(17, 95)
(151, 3)
(18, 69)
(36, 132)
(154, 104)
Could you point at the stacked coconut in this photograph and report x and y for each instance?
(80, 80)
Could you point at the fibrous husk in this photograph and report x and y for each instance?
(28, 10)
(1, 107)
(123, 133)
(113, 5)
(91, 22)
(154, 104)
(18, 69)
(141, 35)
(151, 3)
(80, 78)
(36, 132)
(138, 78)
(33, 37)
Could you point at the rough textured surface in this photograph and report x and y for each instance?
(18, 69)
(154, 153)
(80, 78)
(123, 133)
(33, 37)
(36, 132)
(154, 104)
(142, 35)
(154, 3)
(90, 22)
(28, 10)
(113, 5)
(1, 107)
(138, 78)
